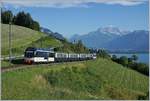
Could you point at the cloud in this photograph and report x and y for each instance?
(69, 3)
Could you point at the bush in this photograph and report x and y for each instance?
(144, 97)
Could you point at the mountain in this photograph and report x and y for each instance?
(75, 37)
(45, 30)
(112, 38)
(98, 38)
(137, 41)
(53, 34)
(112, 30)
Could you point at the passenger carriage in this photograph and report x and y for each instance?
(46, 55)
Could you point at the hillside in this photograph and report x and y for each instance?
(23, 37)
(94, 79)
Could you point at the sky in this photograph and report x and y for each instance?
(70, 17)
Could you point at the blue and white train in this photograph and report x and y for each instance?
(41, 55)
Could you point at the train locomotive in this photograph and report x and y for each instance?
(43, 55)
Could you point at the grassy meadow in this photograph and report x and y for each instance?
(93, 79)
(23, 37)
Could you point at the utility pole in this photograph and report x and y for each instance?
(10, 52)
(10, 49)
(41, 41)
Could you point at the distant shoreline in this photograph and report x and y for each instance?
(128, 52)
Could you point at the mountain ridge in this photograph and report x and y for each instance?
(112, 38)
(51, 33)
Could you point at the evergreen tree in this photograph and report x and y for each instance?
(25, 19)
(35, 25)
(6, 17)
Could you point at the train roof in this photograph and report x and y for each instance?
(39, 49)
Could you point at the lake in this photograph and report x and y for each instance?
(142, 57)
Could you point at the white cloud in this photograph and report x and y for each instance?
(69, 3)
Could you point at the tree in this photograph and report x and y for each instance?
(28, 20)
(142, 68)
(25, 19)
(134, 57)
(123, 60)
(114, 57)
(102, 53)
(6, 16)
(79, 47)
(20, 19)
(35, 25)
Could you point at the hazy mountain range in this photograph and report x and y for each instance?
(112, 38)
(52, 34)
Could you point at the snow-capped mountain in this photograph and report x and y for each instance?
(106, 30)
(99, 37)
(114, 38)
(112, 30)
(137, 40)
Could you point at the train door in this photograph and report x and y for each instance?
(46, 55)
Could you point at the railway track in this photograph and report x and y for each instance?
(23, 66)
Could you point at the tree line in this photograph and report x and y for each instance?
(77, 47)
(21, 19)
(132, 63)
(100, 53)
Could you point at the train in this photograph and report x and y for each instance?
(47, 55)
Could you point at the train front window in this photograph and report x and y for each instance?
(29, 54)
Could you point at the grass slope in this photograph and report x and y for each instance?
(23, 37)
(99, 79)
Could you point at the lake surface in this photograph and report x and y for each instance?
(142, 57)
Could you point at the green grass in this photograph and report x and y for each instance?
(99, 79)
(46, 42)
(5, 64)
(23, 37)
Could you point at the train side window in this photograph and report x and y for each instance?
(51, 54)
